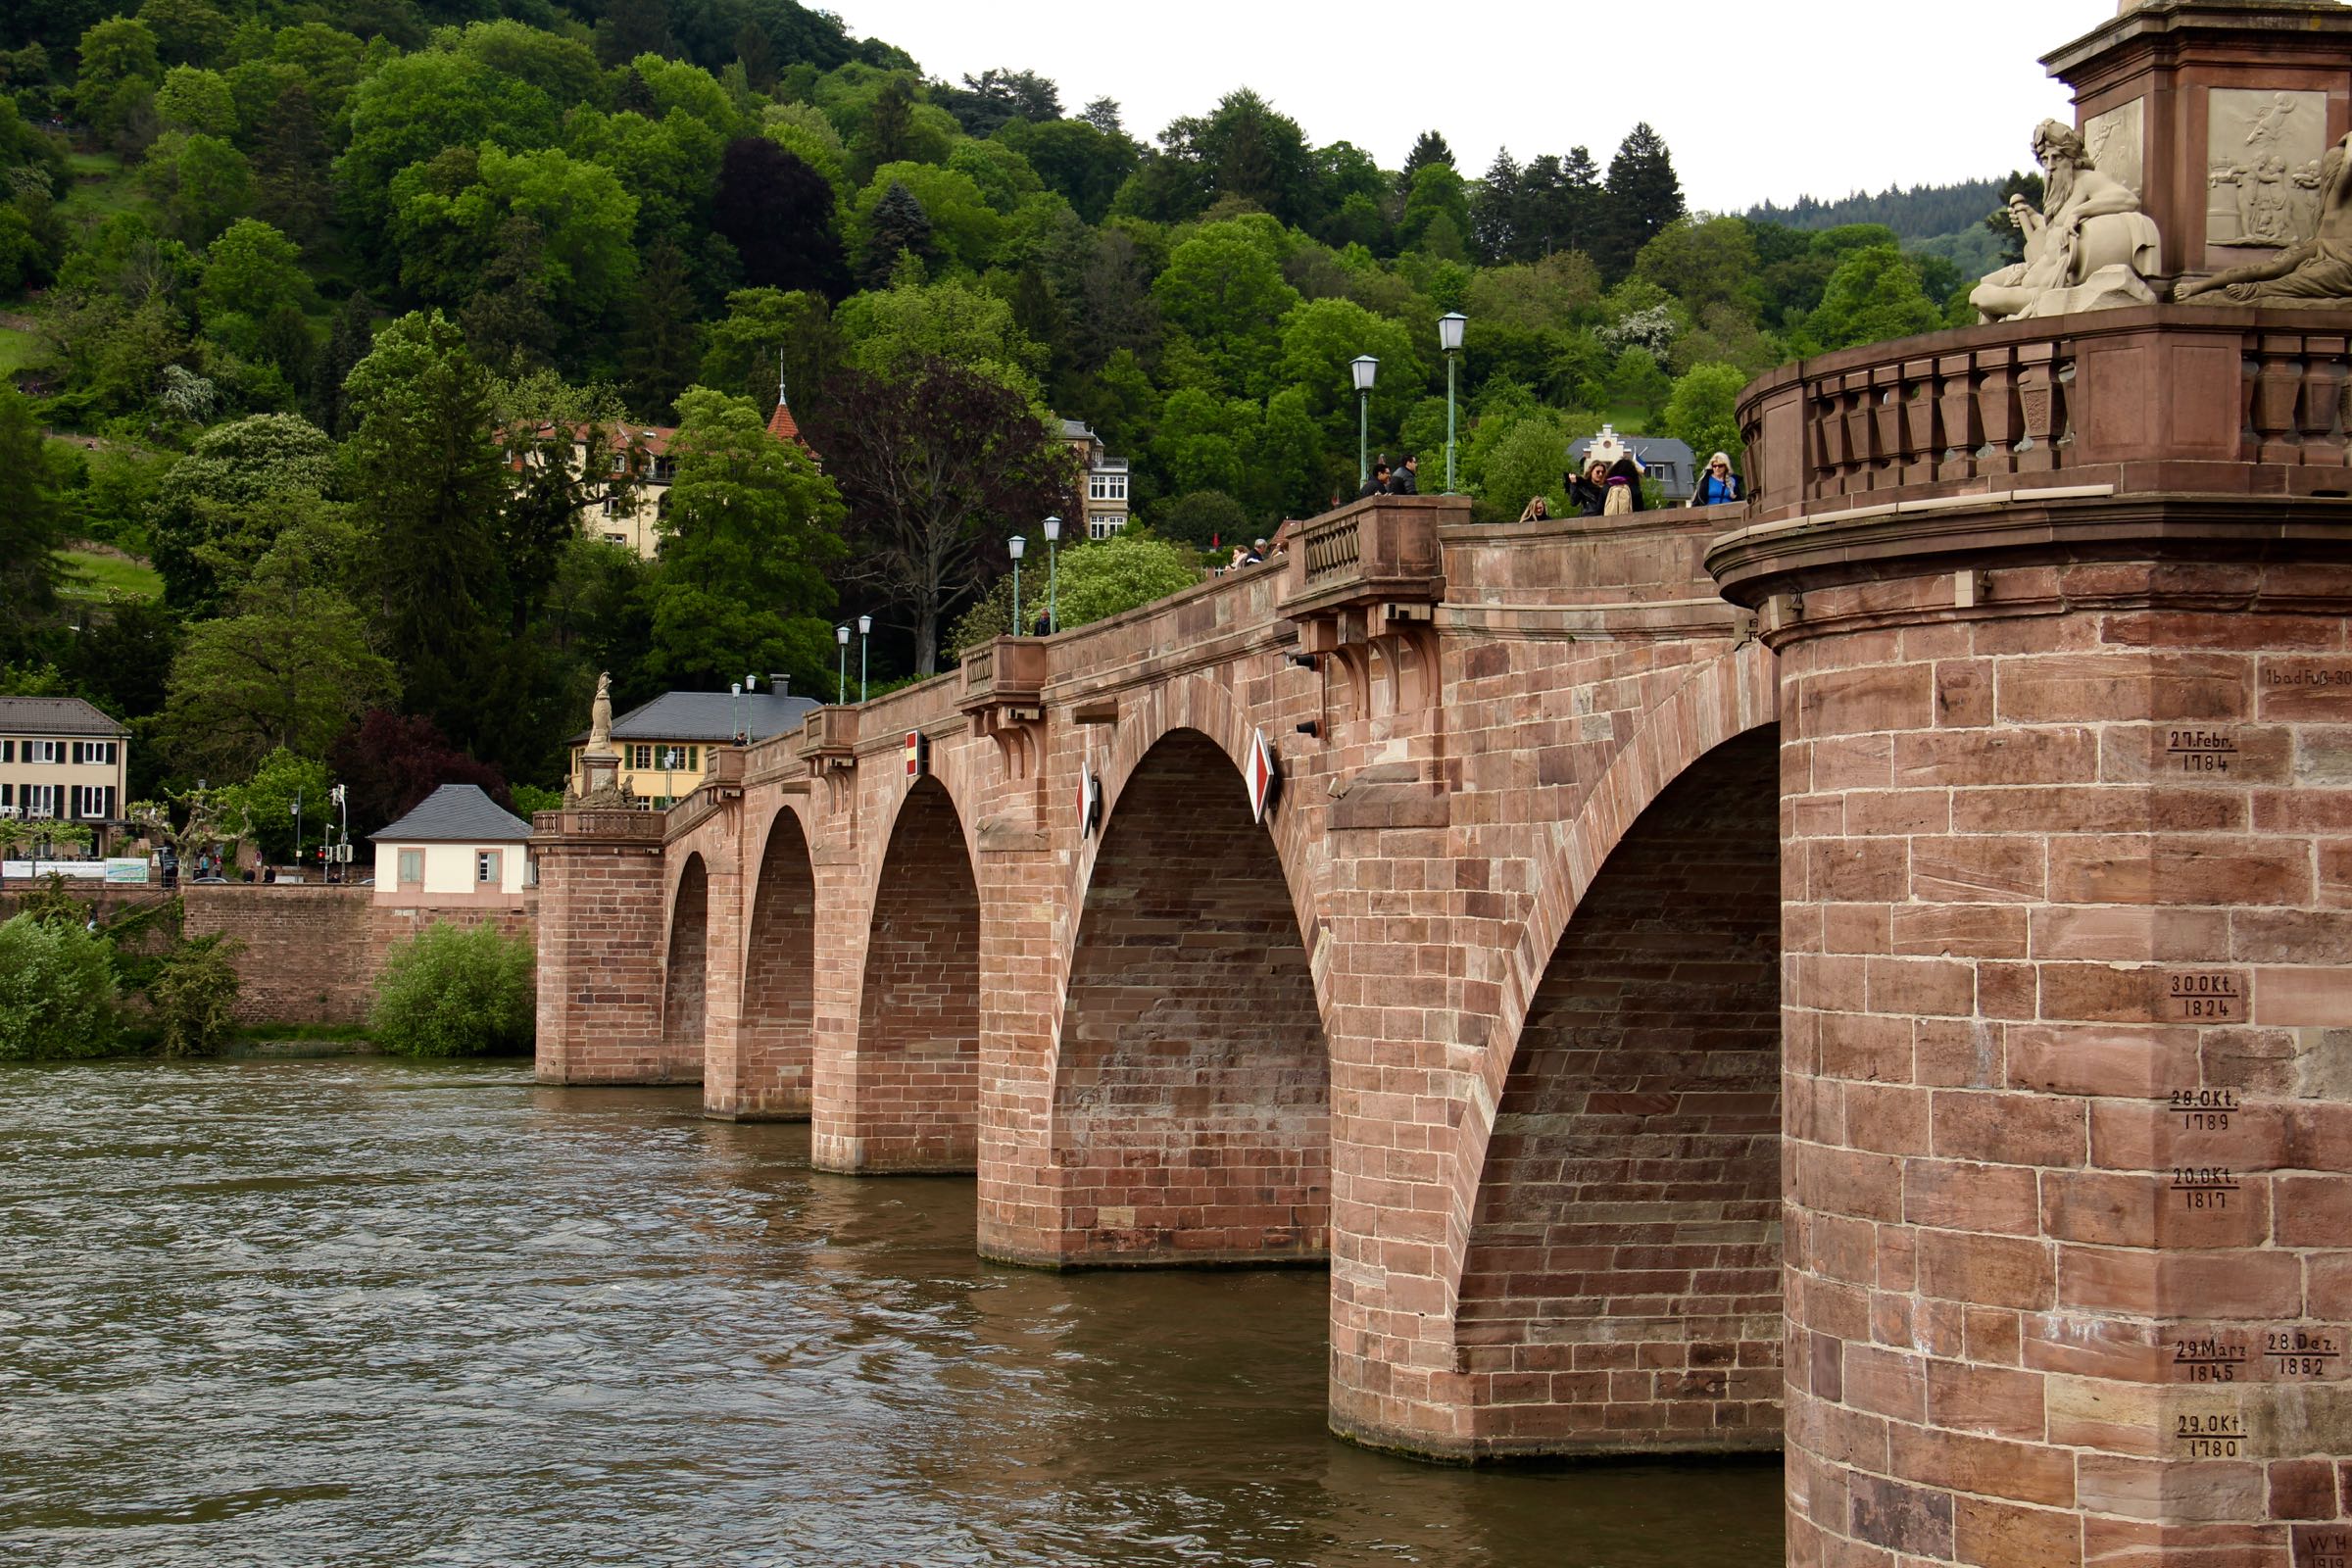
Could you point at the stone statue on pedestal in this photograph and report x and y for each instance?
(599, 782)
(2087, 249)
(2314, 274)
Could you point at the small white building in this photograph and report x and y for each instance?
(457, 850)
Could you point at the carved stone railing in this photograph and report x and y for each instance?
(1383, 549)
(829, 738)
(1004, 696)
(2147, 398)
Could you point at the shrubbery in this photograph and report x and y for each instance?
(457, 992)
(194, 993)
(56, 990)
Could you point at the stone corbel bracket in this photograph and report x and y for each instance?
(1364, 586)
(1003, 699)
(829, 746)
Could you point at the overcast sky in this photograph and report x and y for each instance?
(1758, 101)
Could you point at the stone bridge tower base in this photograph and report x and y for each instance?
(2067, 887)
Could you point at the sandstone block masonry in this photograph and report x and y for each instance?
(1910, 1001)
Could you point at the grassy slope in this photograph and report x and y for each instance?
(96, 574)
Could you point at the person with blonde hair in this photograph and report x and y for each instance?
(1536, 509)
(1718, 485)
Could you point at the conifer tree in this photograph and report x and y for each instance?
(900, 226)
(1644, 196)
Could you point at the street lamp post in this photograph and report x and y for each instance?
(1363, 368)
(865, 625)
(1449, 338)
(841, 684)
(735, 710)
(1017, 544)
(1053, 574)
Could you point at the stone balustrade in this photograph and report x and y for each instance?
(2148, 399)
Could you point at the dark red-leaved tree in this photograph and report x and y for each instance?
(390, 762)
(937, 468)
(779, 214)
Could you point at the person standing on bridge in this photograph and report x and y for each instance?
(1378, 484)
(1718, 485)
(1405, 478)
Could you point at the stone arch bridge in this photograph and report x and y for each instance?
(1869, 971)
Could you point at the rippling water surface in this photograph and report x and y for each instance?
(366, 1313)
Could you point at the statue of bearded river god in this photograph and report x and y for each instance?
(2088, 248)
(2314, 274)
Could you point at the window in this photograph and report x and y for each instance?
(39, 800)
(677, 758)
(8, 751)
(620, 462)
(485, 867)
(44, 751)
(412, 869)
(94, 751)
(1107, 484)
(8, 797)
(1103, 524)
(616, 538)
(640, 757)
(93, 803)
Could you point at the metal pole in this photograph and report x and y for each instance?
(841, 686)
(1053, 585)
(298, 827)
(1363, 439)
(861, 666)
(1449, 359)
(1016, 597)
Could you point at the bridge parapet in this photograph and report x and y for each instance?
(2150, 398)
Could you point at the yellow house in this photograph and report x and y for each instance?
(628, 495)
(665, 744)
(1102, 498)
(62, 760)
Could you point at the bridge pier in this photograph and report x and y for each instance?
(600, 946)
(2068, 888)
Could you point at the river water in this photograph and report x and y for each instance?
(359, 1312)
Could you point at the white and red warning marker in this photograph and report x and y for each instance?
(1089, 798)
(919, 753)
(1263, 776)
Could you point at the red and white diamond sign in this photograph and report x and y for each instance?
(1262, 775)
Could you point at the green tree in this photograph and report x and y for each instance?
(1701, 263)
(208, 510)
(762, 326)
(413, 106)
(423, 466)
(453, 991)
(893, 331)
(894, 227)
(1702, 411)
(32, 524)
(290, 667)
(202, 183)
(285, 802)
(114, 90)
(1109, 577)
(1874, 294)
(658, 349)
(196, 101)
(1644, 195)
(1203, 518)
(186, 31)
(1437, 193)
(193, 995)
(447, 218)
(1321, 337)
(1528, 459)
(253, 274)
(57, 990)
(963, 228)
(752, 526)
(1224, 287)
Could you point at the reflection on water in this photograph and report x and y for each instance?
(366, 1313)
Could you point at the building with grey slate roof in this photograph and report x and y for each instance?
(62, 760)
(457, 850)
(665, 745)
